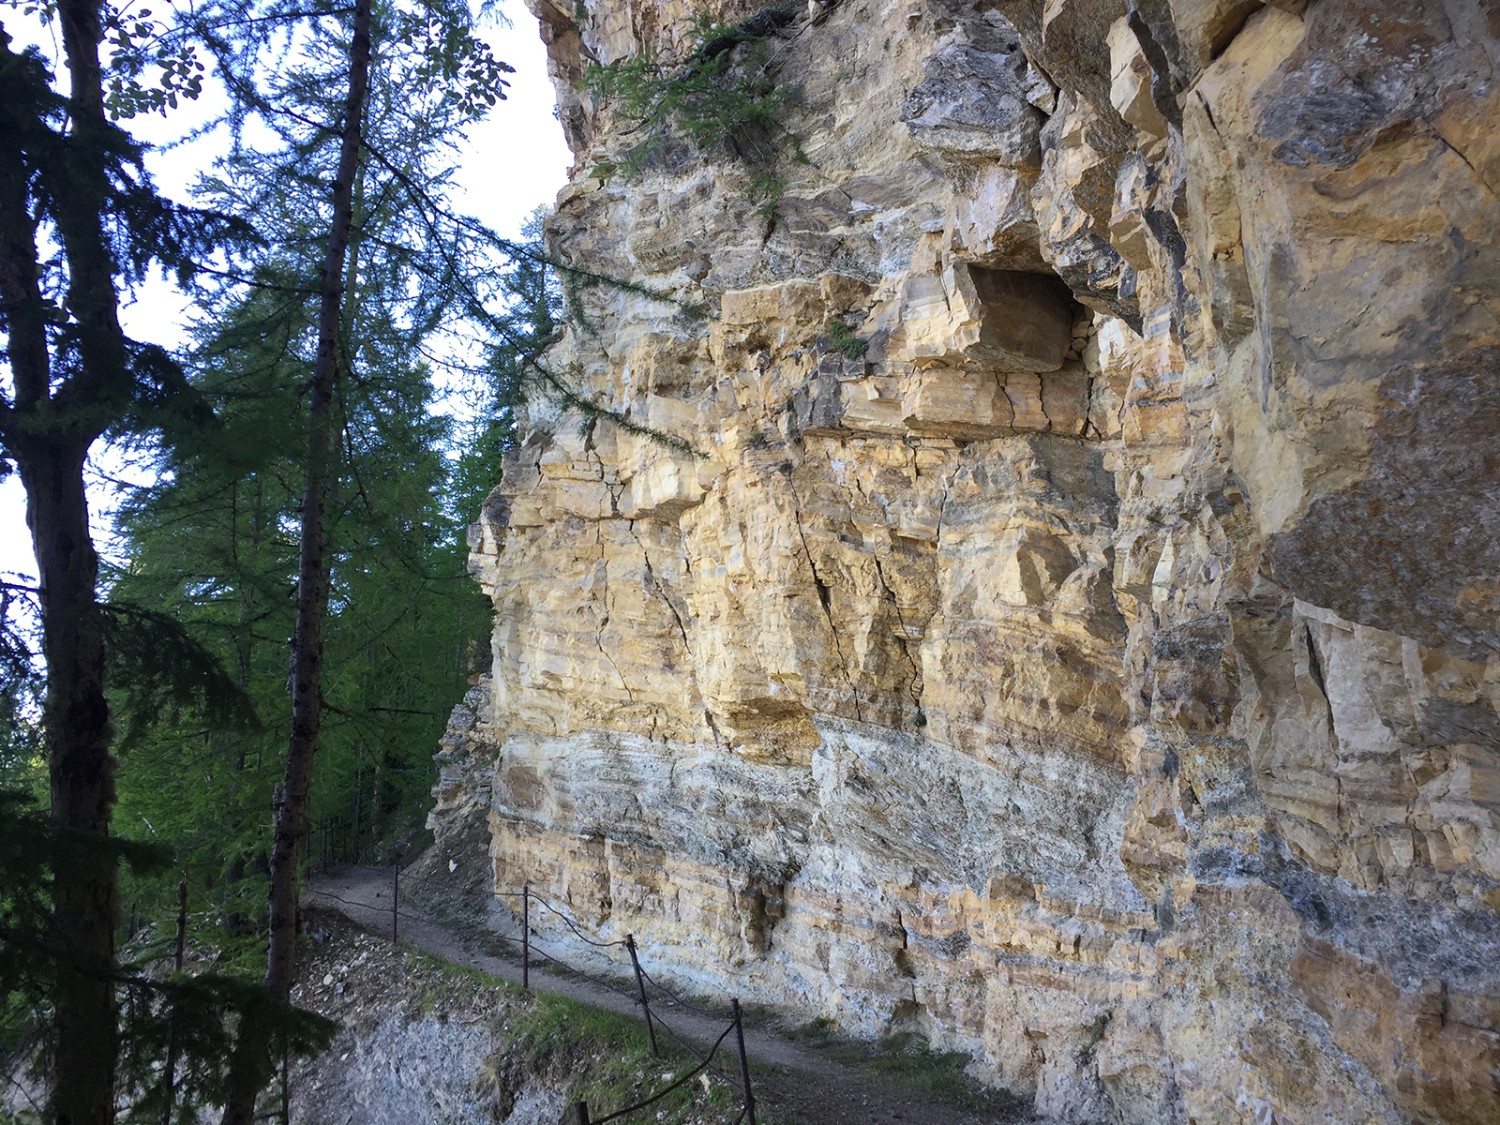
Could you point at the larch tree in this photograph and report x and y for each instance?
(409, 78)
(362, 264)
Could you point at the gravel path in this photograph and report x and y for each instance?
(816, 1086)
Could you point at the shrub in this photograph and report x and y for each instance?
(725, 94)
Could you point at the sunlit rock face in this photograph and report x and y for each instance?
(1098, 673)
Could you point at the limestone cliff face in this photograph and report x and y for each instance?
(1100, 672)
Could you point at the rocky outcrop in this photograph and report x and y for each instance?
(1095, 665)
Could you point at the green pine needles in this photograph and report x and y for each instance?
(726, 95)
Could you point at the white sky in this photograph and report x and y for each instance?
(512, 163)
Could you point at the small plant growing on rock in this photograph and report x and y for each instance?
(1092, 1037)
(724, 94)
(841, 338)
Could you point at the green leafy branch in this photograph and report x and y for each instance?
(726, 94)
(526, 357)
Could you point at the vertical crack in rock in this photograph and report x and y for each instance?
(661, 592)
(1335, 752)
(947, 483)
(614, 492)
(1162, 94)
(907, 635)
(605, 618)
(906, 640)
(825, 600)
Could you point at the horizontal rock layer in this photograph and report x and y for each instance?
(1093, 667)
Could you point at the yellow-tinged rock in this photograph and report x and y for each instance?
(1086, 652)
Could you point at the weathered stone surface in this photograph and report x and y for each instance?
(465, 766)
(1096, 668)
(1130, 80)
(974, 99)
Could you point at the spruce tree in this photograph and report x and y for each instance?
(79, 222)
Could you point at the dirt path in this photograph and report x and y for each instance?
(818, 1087)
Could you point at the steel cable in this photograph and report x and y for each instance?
(678, 1084)
(728, 1080)
(574, 926)
(678, 1001)
(705, 1063)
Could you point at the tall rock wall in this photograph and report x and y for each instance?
(1099, 673)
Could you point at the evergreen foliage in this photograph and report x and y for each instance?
(22, 750)
(183, 665)
(842, 339)
(79, 224)
(214, 541)
(726, 95)
(195, 636)
(195, 1013)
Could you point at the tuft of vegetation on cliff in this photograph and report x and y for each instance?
(726, 95)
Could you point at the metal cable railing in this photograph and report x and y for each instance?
(645, 985)
(665, 1090)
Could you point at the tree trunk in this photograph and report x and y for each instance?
(85, 896)
(254, 1062)
(48, 431)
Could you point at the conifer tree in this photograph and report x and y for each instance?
(362, 264)
(79, 222)
(404, 79)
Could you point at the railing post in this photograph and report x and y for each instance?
(286, 1088)
(640, 982)
(739, 1034)
(395, 900)
(581, 1113)
(526, 936)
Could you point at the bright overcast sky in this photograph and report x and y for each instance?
(512, 163)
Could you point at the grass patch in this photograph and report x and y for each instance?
(938, 1075)
(841, 338)
(823, 1034)
(909, 1061)
(1093, 1035)
(420, 959)
(605, 1060)
(440, 986)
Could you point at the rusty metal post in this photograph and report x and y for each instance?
(526, 936)
(395, 899)
(739, 1034)
(640, 983)
(581, 1113)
